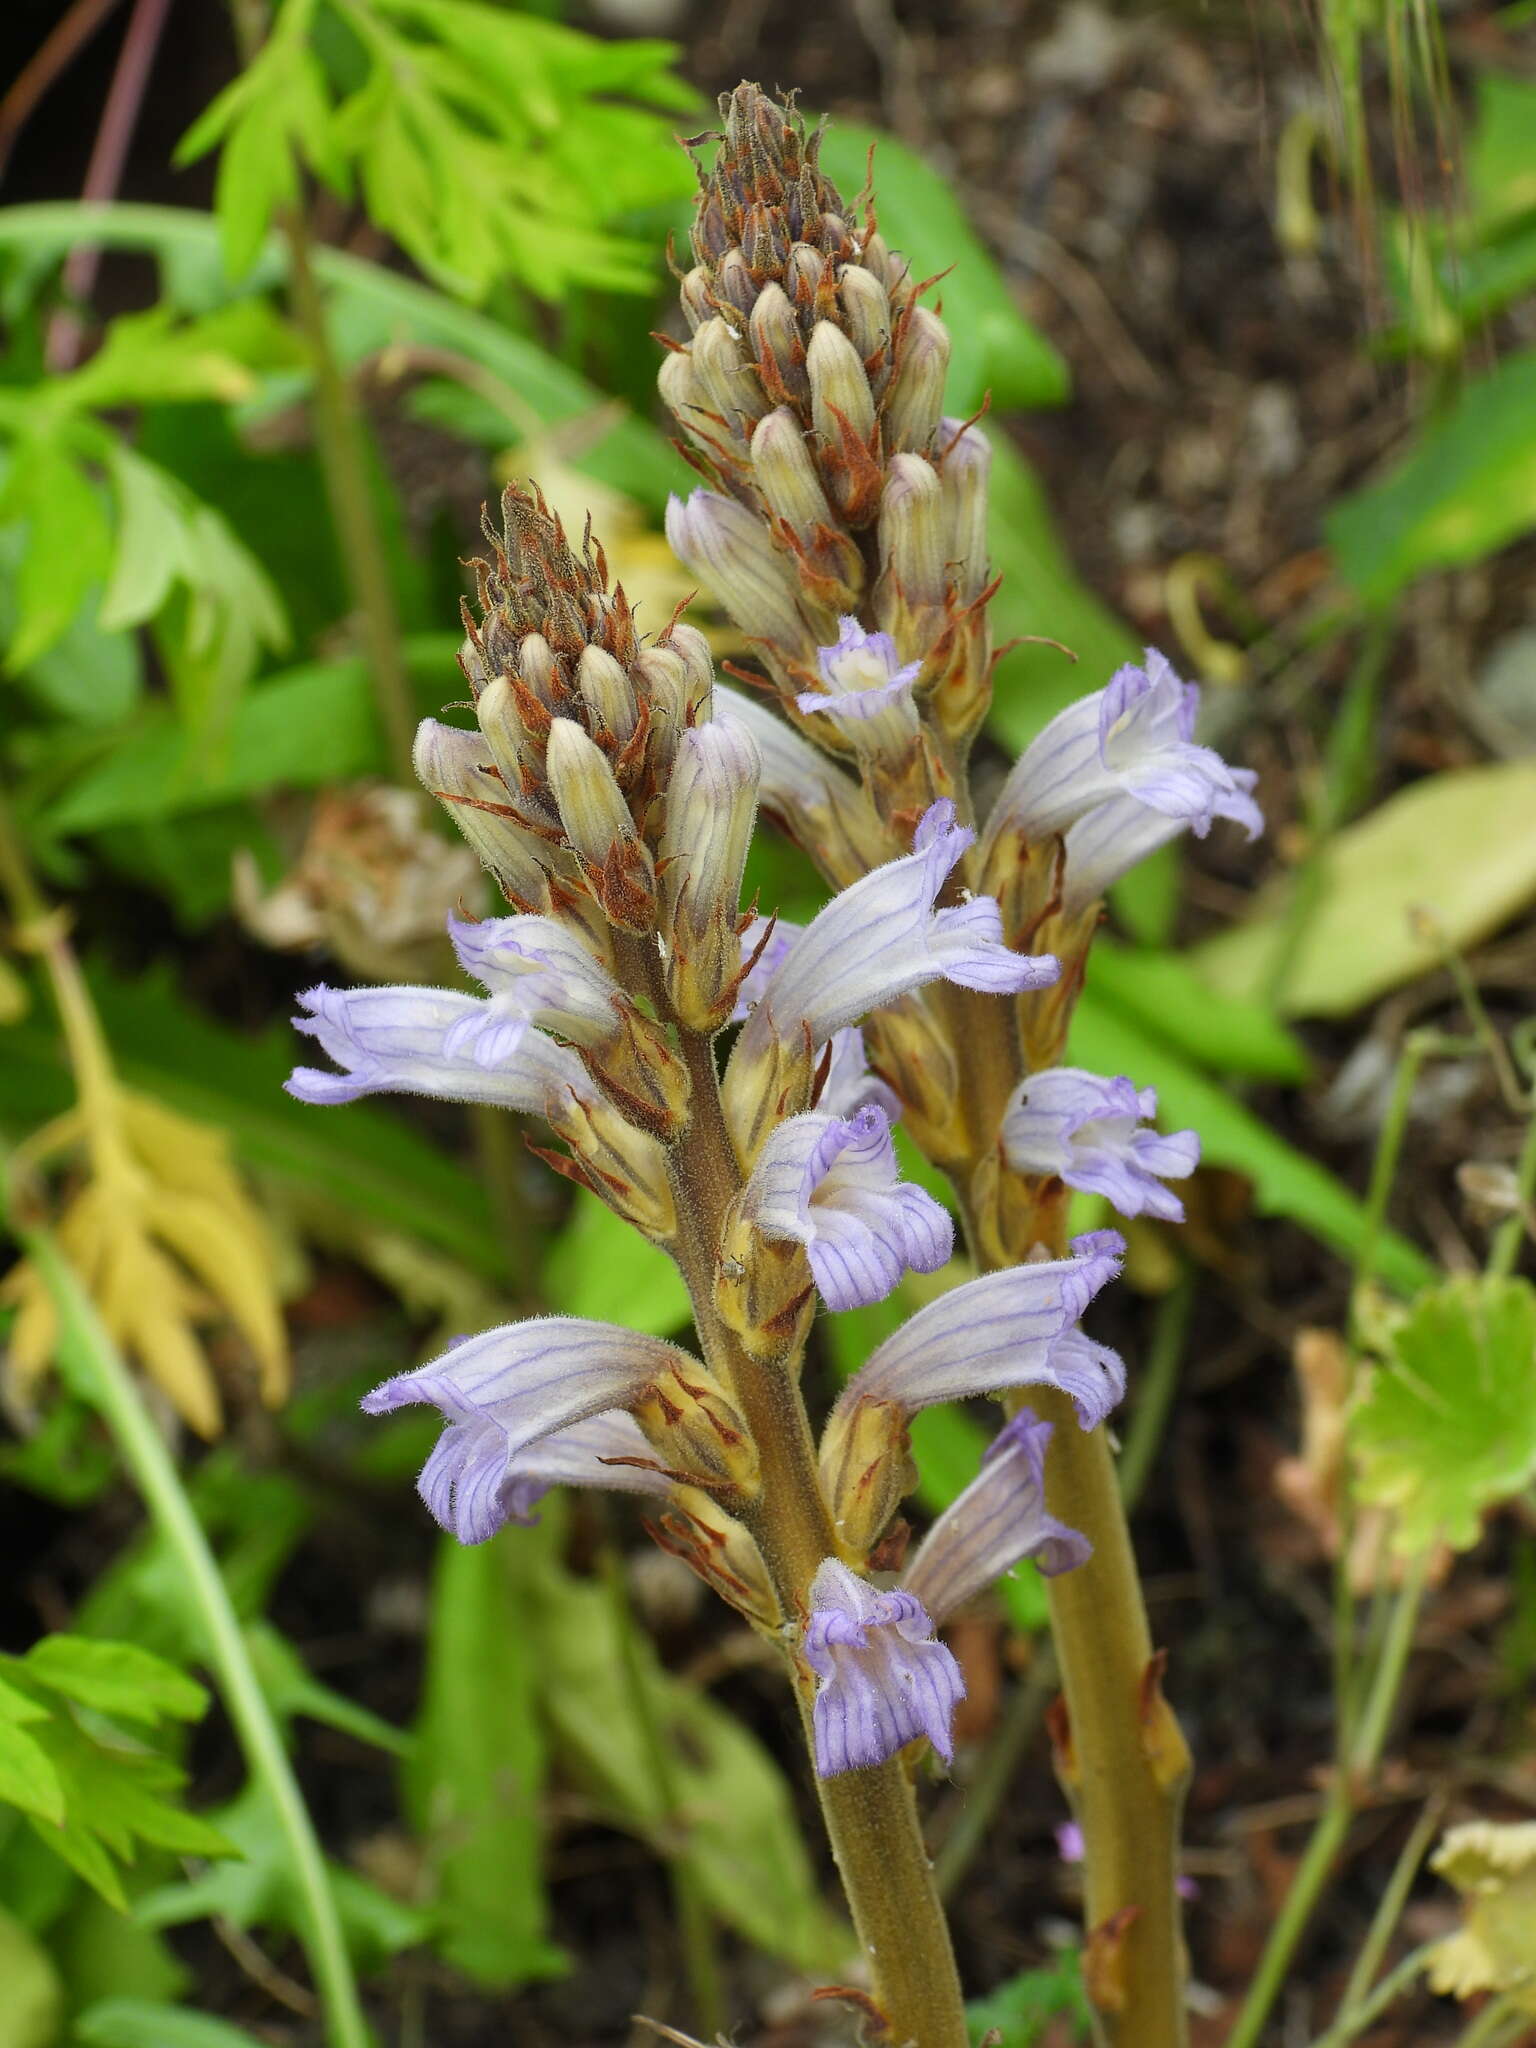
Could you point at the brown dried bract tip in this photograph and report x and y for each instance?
(536, 582)
(766, 191)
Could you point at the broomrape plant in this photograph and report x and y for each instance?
(727, 1083)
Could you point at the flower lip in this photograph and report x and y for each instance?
(883, 1678)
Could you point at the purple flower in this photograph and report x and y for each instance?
(831, 1183)
(1090, 1133)
(882, 937)
(538, 971)
(1117, 836)
(597, 1452)
(397, 1040)
(882, 1679)
(999, 1518)
(509, 1390)
(868, 692)
(849, 1085)
(1011, 1329)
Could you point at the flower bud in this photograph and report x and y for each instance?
(735, 283)
(775, 334)
(785, 474)
(838, 385)
(764, 1289)
(697, 1431)
(694, 295)
(728, 381)
(965, 462)
(714, 1544)
(866, 1470)
(867, 311)
(915, 398)
(452, 766)
(682, 392)
(599, 828)
(912, 555)
(808, 280)
(724, 544)
(627, 1167)
(512, 747)
(536, 666)
(607, 691)
(711, 804)
(893, 271)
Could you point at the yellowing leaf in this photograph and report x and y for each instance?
(1493, 1865)
(1447, 1427)
(1459, 845)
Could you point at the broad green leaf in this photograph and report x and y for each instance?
(104, 1954)
(1467, 487)
(144, 2023)
(475, 1783)
(734, 1820)
(29, 1778)
(598, 1266)
(116, 1678)
(258, 1890)
(1447, 1426)
(151, 540)
(32, 2006)
(292, 1688)
(87, 676)
(66, 549)
(1023, 2009)
(363, 1158)
(1285, 1181)
(995, 349)
(1457, 845)
(1229, 1034)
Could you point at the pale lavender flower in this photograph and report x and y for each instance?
(1016, 1328)
(1119, 835)
(600, 1452)
(507, 1390)
(849, 1085)
(396, 1041)
(538, 971)
(764, 942)
(1090, 1133)
(998, 1519)
(868, 689)
(832, 1184)
(882, 937)
(883, 1680)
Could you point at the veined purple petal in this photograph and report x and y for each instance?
(506, 1389)
(999, 1518)
(882, 1679)
(1089, 1132)
(1016, 1328)
(397, 1041)
(849, 1084)
(764, 942)
(583, 1455)
(831, 1183)
(1135, 738)
(1115, 836)
(538, 969)
(867, 688)
(881, 938)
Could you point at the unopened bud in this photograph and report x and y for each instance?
(839, 386)
(785, 474)
(510, 745)
(536, 665)
(729, 382)
(682, 393)
(724, 544)
(775, 334)
(912, 548)
(606, 689)
(965, 463)
(915, 399)
(866, 1471)
(599, 828)
(764, 1289)
(698, 1433)
(808, 278)
(867, 311)
(711, 804)
(694, 294)
(714, 1544)
(627, 1167)
(735, 283)
(893, 271)
(453, 766)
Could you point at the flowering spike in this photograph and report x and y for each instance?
(882, 1678)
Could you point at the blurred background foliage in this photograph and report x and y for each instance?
(414, 247)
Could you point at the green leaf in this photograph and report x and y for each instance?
(116, 1678)
(144, 2023)
(1285, 1181)
(292, 1688)
(1467, 487)
(1230, 1034)
(89, 677)
(600, 1267)
(66, 548)
(32, 2011)
(475, 1782)
(29, 1778)
(1022, 2009)
(104, 1954)
(734, 1817)
(994, 347)
(1457, 845)
(1447, 1428)
(258, 1890)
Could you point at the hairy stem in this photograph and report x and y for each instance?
(870, 1815)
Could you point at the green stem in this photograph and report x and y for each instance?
(1511, 1234)
(1159, 1383)
(695, 1929)
(1356, 2015)
(144, 1452)
(1499, 2021)
(1328, 1835)
(341, 441)
(1389, 1910)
